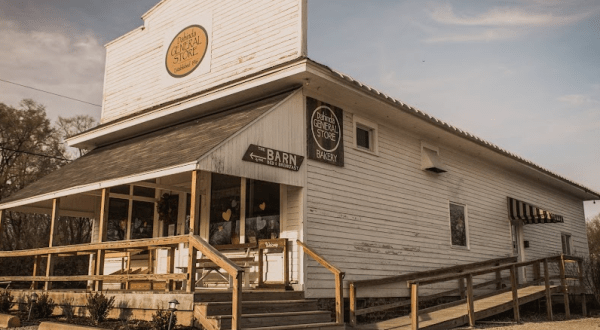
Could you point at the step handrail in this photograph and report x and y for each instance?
(513, 267)
(354, 285)
(339, 284)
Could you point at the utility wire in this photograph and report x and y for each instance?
(34, 154)
(43, 91)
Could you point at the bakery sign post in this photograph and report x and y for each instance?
(325, 132)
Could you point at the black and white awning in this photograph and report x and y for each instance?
(518, 210)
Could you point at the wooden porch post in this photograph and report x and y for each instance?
(414, 306)
(565, 288)
(548, 294)
(236, 303)
(194, 229)
(102, 236)
(339, 298)
(2, 216)
(470, 304)
(195, 204)
(49, 262)
(352, 292)
(515, 294)
(582, 288)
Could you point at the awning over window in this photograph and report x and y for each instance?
(518, 210)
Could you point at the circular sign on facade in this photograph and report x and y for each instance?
(186, 51)
(325, 128)
(325, 132)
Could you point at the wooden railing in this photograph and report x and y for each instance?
(339, 285)
(99, 250)
(402, 280)
(514, 286)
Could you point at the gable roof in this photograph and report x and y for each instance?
(177, 145)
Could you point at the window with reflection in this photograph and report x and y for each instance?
(225, 210)
(262, 210)
(118, 210)
(142, 220)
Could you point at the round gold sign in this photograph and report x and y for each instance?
(186, 51)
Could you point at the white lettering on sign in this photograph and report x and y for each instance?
(325, 125)
(271, 245)
(326, 156)
(283, 158)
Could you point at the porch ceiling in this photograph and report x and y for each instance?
(167, 148)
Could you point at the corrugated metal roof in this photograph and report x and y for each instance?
(455, 130)
(164, 148)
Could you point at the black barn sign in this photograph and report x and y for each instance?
(325, 132)
(272, 157)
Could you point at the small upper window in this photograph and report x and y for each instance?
(566, 243)
(365, 135)
(458, 225)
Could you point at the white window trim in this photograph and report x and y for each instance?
(369, 125)
(468, 247)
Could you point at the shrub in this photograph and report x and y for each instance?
(42, 308)
(160, 320)
(591, 271)
(68, 309)
(6, 301)
(98, 305)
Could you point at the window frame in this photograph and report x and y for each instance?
(568, 241)
(466, 213)
(372, 128)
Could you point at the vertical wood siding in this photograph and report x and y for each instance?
(248, 36)
(382, 215)
(277, 129)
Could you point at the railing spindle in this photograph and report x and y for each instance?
(414, 306)
(470, 304)
(548, 293)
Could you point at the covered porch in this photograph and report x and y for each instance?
(174, 211)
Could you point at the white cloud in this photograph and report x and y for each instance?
(578, 99)
(499, 23)
(498, 16)
(484, 35)
(54, 62)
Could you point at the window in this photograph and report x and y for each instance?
(130, 213)
(225, 210)
(458, 225)
(365, 135)
(566, 243)
(262, 210)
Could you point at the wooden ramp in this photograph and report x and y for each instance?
(457, 315)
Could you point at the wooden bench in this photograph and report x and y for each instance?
(205, 266)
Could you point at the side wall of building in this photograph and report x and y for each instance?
(247, 37)
(381, 215)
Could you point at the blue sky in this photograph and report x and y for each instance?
(524, 75)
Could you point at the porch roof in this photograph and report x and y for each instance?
(177, 147)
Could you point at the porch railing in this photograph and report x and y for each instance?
(339, 285)
(99, 250)
(513, 269)
(404, 278)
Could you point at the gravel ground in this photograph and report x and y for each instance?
(577, 323)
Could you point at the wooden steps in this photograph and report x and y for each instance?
(263, 310)
(457, 315)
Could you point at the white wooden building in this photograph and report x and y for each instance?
(219, 99)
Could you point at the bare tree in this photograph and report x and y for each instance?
(71, 126)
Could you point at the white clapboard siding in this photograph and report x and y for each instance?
(277, 129)
(247, 37)
(292, 229)
(382, 215)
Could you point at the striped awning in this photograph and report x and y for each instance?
(519, 210)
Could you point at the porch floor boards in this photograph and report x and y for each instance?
(457, 315)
